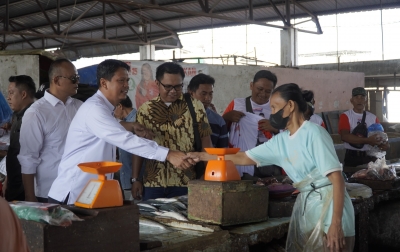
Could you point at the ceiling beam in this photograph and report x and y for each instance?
(78, 18)
(45, 15)
(126, 23)
(193, 13)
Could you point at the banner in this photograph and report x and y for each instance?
(142, 85)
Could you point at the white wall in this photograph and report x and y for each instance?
(332, 88)
(18, 65)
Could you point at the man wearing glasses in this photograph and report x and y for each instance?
(44, 130)
(168, 116)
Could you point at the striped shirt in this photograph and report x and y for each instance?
(219, 136)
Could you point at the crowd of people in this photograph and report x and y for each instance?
(160, 144)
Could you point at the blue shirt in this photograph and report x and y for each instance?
(219, 136)
(126, 158)
(309, 148)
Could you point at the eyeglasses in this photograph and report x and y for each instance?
(170, 87)
(74, 79)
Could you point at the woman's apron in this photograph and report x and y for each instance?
(307, 222)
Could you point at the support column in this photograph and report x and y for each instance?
(289, 47)
(147, 52)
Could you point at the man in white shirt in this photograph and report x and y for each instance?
(261, 88)
(357, 146)
(44, 129)
(94, 134)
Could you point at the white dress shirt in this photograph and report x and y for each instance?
(92, 136)
(42, 137)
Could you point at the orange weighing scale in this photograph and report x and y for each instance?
(100, 192)
(221, 169)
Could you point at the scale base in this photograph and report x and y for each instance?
(221, 170)
(107, 194)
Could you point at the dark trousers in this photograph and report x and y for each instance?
(53, 201)
(355, 158)
(163, 192)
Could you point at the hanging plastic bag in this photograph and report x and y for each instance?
(306, 227)
(5, 110)
(377, 130)
(52, 214)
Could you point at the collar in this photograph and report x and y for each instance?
(107, 102)
(54, 100)
(158, 99)
(130, 115)
(22, 112)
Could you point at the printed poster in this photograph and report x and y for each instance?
(142, 85)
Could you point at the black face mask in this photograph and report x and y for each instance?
(277, 120)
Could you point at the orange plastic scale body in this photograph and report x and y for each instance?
(100, 193)
(221, 169)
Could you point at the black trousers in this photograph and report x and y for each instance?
(355, 158)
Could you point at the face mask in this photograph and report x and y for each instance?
(277, 120)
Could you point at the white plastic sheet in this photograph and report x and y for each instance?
(306, 227)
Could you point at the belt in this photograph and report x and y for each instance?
(356, 153)
(314, 189)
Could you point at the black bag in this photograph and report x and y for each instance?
(200, 166)
(360, 130)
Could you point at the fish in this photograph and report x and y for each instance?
(169, 208)
(179, 205)
(154, 202)
(146, 207)
(152, 224)
(166, 200)
(173, 215)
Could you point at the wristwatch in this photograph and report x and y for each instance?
(133, 180)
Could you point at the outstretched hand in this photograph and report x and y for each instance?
(180, 160)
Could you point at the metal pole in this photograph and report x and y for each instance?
(104, 21)
(58, 16)
(383, 51)
(251, 10)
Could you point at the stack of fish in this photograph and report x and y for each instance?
(173, 208)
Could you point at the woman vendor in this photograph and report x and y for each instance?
(323, 215)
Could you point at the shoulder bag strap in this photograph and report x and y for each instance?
(249, 108)
(363, 118)
(197, 139)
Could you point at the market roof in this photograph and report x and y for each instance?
(84, 28)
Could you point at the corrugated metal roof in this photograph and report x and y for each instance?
(85, 36)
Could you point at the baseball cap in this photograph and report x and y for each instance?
(359, 91)
(40, 92)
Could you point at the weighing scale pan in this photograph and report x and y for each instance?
(222, 151)
(100, 167)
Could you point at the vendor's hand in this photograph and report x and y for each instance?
(233, 116)
(137, 190)
(374, 140)
(264, 124)
(335, 238)
(142, 131)
(201, 156)
(180, 160)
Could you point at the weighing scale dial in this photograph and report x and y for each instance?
(89, 193)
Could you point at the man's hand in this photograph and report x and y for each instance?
(233, 116)
(137, 190)
(374, 140)
(6, 126)
(264, 124)
(142, 131)
(180, 160)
